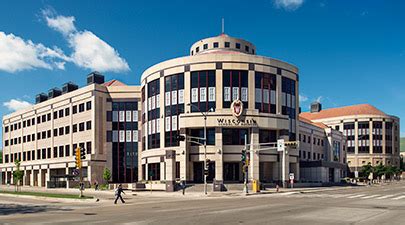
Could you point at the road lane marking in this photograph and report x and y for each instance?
(370, 196)
(385, 196)
(400, 197)
(356, 196)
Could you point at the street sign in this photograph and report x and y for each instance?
(291, 176)
(280, 145)
(76, 172)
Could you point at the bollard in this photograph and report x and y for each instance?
(277, 188)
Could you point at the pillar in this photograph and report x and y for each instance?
(286, 163)
(39, 177)
(254, 170)
(47, 176)
(219, 162)
(32, 178)
(170, 167)
(67, 180)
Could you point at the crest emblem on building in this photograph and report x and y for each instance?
(237, 108)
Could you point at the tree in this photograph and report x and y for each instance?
(380, 170)
(18, 174)
(107, 175)
(366, 170)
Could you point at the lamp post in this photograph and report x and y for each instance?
(205, 144)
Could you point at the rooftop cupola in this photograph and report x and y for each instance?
(223, 44)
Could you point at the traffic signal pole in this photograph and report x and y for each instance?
(205, 154)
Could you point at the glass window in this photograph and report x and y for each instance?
(237, 45)
(203, 90)
(200, 133)
(88, 125)
(235, 86)
(88, 105)
(74, 109)
(216, 44)
(234, 136)
(81, 107)
(227, 44)
(174, 105)
(205, 46)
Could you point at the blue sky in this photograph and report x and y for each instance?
(348, 52)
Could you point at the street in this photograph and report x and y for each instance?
(379, 204)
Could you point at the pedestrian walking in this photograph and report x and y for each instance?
(118, 193)
(96, 186)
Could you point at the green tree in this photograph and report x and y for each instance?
(379, 170)
(366, 170)
(18, 174)
(107, 175)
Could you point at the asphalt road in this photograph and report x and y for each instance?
(383, 204)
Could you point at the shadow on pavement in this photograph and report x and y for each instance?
(9, 209)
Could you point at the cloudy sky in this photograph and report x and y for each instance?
(348, 52)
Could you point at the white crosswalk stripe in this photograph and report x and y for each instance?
(385, 196)
(356, 196)
(400, 197)
(348, 196)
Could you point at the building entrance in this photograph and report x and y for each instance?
(232, 172)
(198, 172)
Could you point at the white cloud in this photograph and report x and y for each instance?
(16, 104)
(17, 54)
(303, 98)
(63, 24)
(288, 4)
(89, 51)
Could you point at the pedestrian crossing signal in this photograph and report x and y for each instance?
(243, 156)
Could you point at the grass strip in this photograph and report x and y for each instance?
(44, 194)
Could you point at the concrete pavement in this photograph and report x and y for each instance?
(361, 205)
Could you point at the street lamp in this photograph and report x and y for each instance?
(205, 143)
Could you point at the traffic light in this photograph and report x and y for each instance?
(206, 167)
(291, 144)
(243, 156)
(180, 137)
(78, 159)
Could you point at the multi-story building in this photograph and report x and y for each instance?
(240, 96)
(101, 117)
(372, 136)
(322, 152)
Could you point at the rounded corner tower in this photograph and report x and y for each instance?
(227, 93)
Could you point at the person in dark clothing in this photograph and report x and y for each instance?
(118, 193)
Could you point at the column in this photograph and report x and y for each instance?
(67, 180)
(356, 143)
(47, 176)
(254, 156)
(184, 163)
(219, 162)
(24, 178)
(170, 167)
(6, 177)
(384, 150)
(251, 90)
(32, 178)
(370, 138)
(279, 98)
(39, 177)
(218, 88)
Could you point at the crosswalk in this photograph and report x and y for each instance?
(359, 196)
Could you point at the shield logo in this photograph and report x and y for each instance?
(237, 108)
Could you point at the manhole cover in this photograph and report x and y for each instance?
(89, 214)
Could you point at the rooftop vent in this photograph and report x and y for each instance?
(68, 87)
(316, 107)
(95, 78)
(41, 98)
(54, 92)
